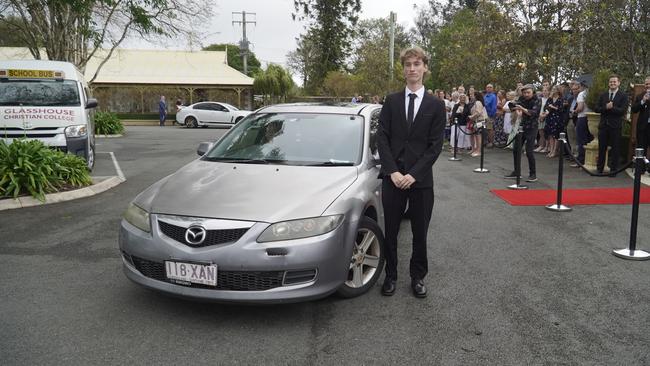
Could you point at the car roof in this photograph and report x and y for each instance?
(333, 108)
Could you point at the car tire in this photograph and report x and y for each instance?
(190, 122)
(90, 158)
(366, 260)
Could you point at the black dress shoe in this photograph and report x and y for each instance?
(419, 290)
(388, 289)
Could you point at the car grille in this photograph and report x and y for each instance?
(226, 280)
(212, 237)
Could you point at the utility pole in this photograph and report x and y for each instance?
(243, 44)
(392, 45)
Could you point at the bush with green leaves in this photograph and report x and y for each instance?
(107, 123)
(30, 167)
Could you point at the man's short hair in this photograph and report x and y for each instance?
(528, 86)
(614, 76)
(416, 52)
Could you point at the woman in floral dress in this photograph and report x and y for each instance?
(554, 125)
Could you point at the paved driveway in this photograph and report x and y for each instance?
(507, 285)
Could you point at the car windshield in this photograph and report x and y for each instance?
(230, 106)
(293, 139)
(39, 93)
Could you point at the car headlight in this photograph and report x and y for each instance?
(137, 217)
(298, 229)
(76, 131)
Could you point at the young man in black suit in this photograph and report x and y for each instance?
(612, 105)
(642, 107)
(410, 136)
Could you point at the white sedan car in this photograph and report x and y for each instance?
(209, 114)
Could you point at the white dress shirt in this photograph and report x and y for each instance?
(416, 102)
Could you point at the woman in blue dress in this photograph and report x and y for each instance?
(553, 111)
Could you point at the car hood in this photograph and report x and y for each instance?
(253, 192)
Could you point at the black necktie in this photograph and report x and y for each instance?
(611, 96)
(409, 116)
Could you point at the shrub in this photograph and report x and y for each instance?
(599, 85)
(30, 167)
(107, 123)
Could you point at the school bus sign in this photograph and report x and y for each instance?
(33, 74)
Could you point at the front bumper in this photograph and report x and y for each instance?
(275, 272)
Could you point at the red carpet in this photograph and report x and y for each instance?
(571, 197)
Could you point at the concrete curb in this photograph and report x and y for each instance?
(101, 184)
(109, 136)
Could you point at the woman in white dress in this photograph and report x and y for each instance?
(459, 114)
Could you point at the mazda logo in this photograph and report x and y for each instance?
(195, 235)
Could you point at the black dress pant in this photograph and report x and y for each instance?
(420, 202)
(643, 137)
(528, 139)
(608, 136)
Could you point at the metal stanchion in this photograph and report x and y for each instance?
(631, 252)
(558, 206)
(454, 158)
(517, 148)
(483, 137)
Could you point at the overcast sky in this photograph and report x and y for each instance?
(275, 33)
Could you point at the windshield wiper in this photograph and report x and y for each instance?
(245, 161)
(333, 162)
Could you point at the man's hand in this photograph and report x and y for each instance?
(408, 181)
(397, 179)
(609, 105)
(402, 181)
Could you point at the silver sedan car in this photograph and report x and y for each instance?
(206, 114)
(284, 207)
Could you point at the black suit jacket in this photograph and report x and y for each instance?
(612, 117)
(643, 111)
(411, 150)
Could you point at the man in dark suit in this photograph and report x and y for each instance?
(642, 107)
(612, 105)
(410, 136)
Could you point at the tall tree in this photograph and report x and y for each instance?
(330, 25)
(74, 30)
(303, 58)
(235, 59)
(371, 58)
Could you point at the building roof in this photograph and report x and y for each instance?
(127, 66)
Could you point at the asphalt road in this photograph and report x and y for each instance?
(507, 285)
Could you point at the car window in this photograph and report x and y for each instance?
(39, 93)
(374, 126)
(202, 106)
(294, 138)
(230, 106)
(218, 107)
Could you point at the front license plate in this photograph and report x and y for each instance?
(205, 274)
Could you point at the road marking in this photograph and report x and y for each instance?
(117, 166)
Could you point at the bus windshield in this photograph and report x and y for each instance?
(39, 93)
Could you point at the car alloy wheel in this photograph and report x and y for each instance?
(190, 122)
(367, 260)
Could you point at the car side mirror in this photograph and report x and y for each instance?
(204, 147)
(91, 103)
